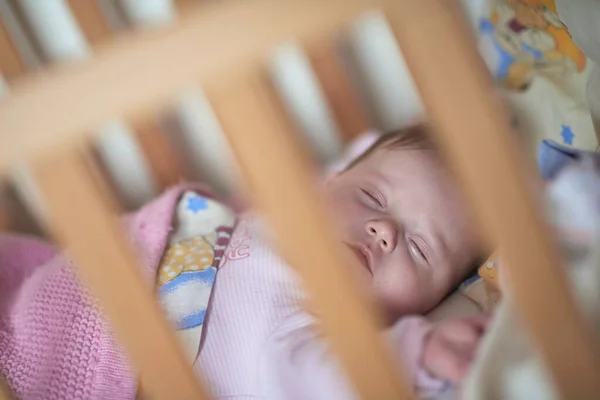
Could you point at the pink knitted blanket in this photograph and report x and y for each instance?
(54, 341)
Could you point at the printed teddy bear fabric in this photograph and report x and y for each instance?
(186, 276)
(540, 68)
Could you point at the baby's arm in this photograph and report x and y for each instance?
(299, 364)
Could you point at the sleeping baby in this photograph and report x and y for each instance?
(238, 308)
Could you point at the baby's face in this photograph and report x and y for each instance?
(404, 218)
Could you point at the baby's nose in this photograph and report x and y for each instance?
(384, 232)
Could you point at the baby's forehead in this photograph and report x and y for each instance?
(407, 162)
(418, 178)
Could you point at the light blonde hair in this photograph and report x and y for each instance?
(416, 137)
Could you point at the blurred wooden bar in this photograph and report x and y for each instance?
(11, 63)
(251, 113)
(4, 392)
(184, 5)
(90, 19)
(338, 88)
(5, 223)
(15, 216)
(475, 130)
(91, 233)
(159, 151)
(11, 66)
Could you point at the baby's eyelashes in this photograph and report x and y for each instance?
(418, 249)
(372, 198)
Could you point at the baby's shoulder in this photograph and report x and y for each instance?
(250, 252)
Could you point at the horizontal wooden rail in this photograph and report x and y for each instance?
(458, 94)
(143, 70)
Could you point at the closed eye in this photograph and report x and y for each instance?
(372, 199)
(418, 249)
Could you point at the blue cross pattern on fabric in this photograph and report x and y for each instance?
(567, 134)
(196, 203)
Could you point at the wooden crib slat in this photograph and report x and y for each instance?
(4, 392)
(5, 220)
(183, 5)
(283, 187)
(81, 220)
(90, 19)
(338, 88)
(4, 395)
(11, 63)
(5, 224)
(72, 100)
(161, 155)
(457, 91)
(148, 133)
(15, 215)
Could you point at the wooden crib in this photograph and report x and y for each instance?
(142, 72)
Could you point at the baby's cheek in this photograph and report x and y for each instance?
(351, 218)
(398, 290)
(340, 202)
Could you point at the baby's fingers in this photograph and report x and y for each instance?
(453, 366)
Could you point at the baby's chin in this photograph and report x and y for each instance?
(392, 309)
(387, 312)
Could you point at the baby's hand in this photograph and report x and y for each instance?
(451, 346)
